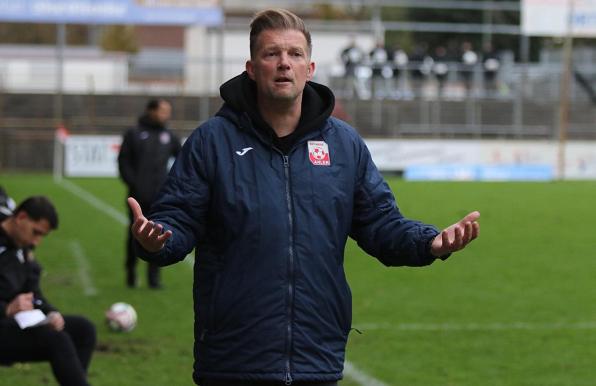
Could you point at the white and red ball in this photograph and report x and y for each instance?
(121, 317)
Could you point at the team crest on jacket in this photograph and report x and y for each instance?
(318, 153)
(164, 138)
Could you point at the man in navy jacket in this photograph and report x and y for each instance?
(268, 192)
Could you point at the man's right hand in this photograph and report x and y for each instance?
(147, 233)
(21, 302)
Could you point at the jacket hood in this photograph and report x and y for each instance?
(240, 94)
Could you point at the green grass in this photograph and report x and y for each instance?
(515, 308)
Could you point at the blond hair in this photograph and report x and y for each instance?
(281, 19)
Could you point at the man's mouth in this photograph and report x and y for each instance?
(283, 79)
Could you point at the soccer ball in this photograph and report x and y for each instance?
(121, 317)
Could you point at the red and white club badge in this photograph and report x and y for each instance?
(318, 153)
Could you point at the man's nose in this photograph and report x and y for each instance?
(36, 240)
(284, 61)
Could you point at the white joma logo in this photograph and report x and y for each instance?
(244, 151)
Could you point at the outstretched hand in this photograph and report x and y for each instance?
(146, 232)
(456, 236)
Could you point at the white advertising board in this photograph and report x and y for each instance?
(468, 159)
(97, 156)
(559, 17)
(91, 155)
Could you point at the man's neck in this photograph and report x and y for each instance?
(282, 117)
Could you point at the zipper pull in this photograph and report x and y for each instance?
(286, 161)
(288, 379)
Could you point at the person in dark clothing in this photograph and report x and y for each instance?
(143, 161)
(68, 341)
(491, 63)
(268, 191)
(352, 56)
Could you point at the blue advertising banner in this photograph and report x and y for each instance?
(479, 173)
(152, 12)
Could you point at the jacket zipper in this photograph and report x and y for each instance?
(288, 377)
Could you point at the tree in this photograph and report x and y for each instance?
(119, 38)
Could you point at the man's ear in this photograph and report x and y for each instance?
(250, 69)
(310, 71)
(21, 215)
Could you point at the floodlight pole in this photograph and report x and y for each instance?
(58, 100)
(564, 92)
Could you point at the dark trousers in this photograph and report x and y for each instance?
(213, 382)
(153, 278)
(68, 351)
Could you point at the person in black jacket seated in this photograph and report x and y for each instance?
(68, 341)
(143, 161)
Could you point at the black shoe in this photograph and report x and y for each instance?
(131, 280)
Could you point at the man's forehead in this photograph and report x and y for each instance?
(282, 37)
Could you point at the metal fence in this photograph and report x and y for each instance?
(522, 102)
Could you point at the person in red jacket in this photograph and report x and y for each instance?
(66, 341)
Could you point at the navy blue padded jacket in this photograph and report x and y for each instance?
(271, 299)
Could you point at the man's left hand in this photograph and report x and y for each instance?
(56, 321)
(456, 236)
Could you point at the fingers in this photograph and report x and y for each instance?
(467, 236)
(470, 217)
(25, 301)
(137, 212)
(445, 240)
(164, 236)
(457, 242)
(149, 234)
(151, 230)
(28, 296)
(475, 230)
(456, 237)
(56, 321)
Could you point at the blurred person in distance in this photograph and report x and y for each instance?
(145, 155)
(352, 56)
(268, 191)
(491, 63)
(66, 341)
(468, 62)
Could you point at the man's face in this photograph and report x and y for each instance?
(163, 113)
(280, 65)
(28, 232)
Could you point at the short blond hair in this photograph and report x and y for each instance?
(276, 18)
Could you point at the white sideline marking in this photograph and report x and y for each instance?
(359, 376)
(94, 201)
(496, 326)
(83, 265)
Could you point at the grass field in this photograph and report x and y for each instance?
(515, 308)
